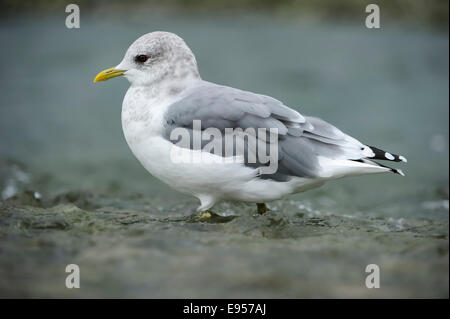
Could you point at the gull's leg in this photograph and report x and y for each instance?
(262, 208)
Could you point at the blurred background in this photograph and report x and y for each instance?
(72, 192)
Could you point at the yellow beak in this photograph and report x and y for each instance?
(108, 74)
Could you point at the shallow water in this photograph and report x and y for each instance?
(73, 193)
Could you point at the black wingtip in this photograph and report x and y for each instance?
(398, 171)
(386, 156)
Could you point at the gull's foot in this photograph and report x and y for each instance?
(262, 208)
(202, 216)
(208, 216)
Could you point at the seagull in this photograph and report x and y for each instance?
(167, 94)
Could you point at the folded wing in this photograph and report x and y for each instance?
(307, 146)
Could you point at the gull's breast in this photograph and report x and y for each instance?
(141, 116)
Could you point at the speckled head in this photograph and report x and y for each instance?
(155, 58)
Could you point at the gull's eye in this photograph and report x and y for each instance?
(141, 58)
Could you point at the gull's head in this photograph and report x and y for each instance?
(153, 58)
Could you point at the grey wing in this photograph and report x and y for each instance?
(301, 140)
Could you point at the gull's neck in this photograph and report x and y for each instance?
(168, 88)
